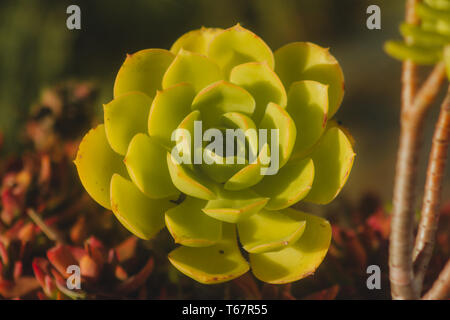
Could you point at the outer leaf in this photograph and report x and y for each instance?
(237, 45)
(215, 264)
(193, 68)
(276, 117)
(235, 206)
(269, 231)
(307, 61)
(190, 226)
(190, 182)
(308, 107)
(299, 260)
(195, 40)
(421, 55)
(333, 160)
(142, 216)
(147, 166)
(262, 82)
(143, 71)
(96, 162)
(222, 97)
(291, 184)
(169, 107)
(126, 116)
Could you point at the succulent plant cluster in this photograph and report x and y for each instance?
(225, 79)
(428, 42)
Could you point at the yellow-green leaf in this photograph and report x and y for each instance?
(141, 215)
(190, 226)
(126, 116)
(308, 107)
(298, 260)
(214, 264)
(147, 166)
(193, 68)
(236, 46)
(96, 162)
(262, 82)
(168, 109)
(307, 61)
(269, 231)
(291, 184)
(333, 160)
(143, 71)
(195, 40)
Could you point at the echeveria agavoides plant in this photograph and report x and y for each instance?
(225, 79)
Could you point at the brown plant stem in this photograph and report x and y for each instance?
(431, 202)
(413, 113)
(441, 287)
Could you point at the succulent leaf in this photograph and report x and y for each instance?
(192, 68)
(308, 107)
(262, 82)
(143, 71)
(141, 215)
(214, 264)
(195, 41)
(298, 260)
(331, 171)
(234, 206)
(236, 46)
(291, 184)
(125, 116)
(168, 109)
(190, 226)
(269, 231)
(96, 162)
(147, 167)
(220, 98)
(307, 61)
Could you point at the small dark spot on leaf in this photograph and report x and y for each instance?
(221, 251)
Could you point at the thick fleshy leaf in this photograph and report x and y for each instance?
(214, 264)
(168, 109)
(141, 215)
(269, 231)
(143, 71)
(291, 184)
(308, 107)
(234, 206)
(277, 118)
(333, 160)
(126, 116)
(421, 55)
(298, 260)
(193, 68)
(251, 174)
(236, 46)
(190, 182)
(219, 98)
(96, 162)
(236, 120)
(195, 40)
(219, 168)
(190, 226)
(447, 60)
(147, 166)
(262, 82)
(423, 37)
(307, 61)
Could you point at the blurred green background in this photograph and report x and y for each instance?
(37, 50)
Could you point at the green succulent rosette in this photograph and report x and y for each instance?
(226, 79)
(429, 42)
